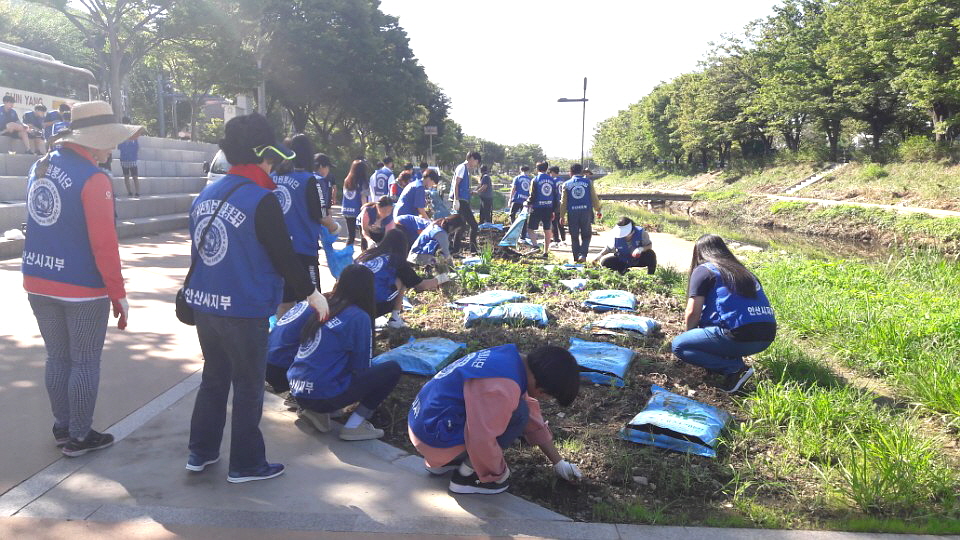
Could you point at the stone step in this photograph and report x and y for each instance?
(175, 144)
(14, 188)
(20, 164)
(10, 249)
(13, 214)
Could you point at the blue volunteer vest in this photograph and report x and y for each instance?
(322, 368)
(407, 203)
(728, 310)
(323, 185)
(624, 248)
(373, 218)
(291, 191)
(57, 246)
(578, 194)
(542, 192)
(521, 188)
(426, 243)
(412, 226)
(233, 276)
(380, 182)
(350, 205)
(438, 414)
(463, 184)
(384, 277)
(284, 339)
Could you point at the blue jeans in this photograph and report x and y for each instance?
(713, 350)
(369, 388)
(234, 352)
(579, 222)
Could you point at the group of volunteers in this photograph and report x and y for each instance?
(254, 254)
(37, 126)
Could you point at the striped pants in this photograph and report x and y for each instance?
(73, 333)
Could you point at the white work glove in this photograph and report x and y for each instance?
(121, 309)
(319, 302)
(568, 471)
(442, 278)
(637, 252)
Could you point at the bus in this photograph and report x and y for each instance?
(33, 77)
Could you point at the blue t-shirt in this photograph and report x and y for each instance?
(53, 117)
(412, 198)
(32, 119)
(129, 150)
(325, 364)
(486, 194)
(7, 116)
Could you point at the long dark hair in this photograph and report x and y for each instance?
(394, 244)
(353, 288)
(710, 248)
(303, 147)
(358, 171)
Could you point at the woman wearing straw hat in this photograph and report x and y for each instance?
(71, 268)
(242, 256)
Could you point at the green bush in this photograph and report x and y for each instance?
(872, 171)
(918, 148)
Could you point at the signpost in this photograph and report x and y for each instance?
(430, 131)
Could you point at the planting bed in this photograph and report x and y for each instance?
(806, 447)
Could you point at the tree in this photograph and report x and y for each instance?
(522, 154)
(120, 32)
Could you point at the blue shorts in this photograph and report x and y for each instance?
(538, 216)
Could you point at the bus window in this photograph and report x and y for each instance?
(93, 92)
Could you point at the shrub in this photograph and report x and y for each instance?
(872, 171)
(918, 148)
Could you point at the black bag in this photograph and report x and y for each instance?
(185, 313)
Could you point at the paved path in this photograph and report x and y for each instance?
(139, 488)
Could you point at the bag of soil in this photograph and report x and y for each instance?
(424, 356)
(601, 363)
(515, 230)
(677, 423)
(490, 298)
(490, 226)
(635, 326)
(574, 284)
(519, 314)
(610, 300)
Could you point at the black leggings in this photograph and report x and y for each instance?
(647, 258)
(559, 231)
(277, 377)
(486, 210)
(467, 213)
(351, 229)
(370, 388)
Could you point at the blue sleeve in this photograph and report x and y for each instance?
(420, 197)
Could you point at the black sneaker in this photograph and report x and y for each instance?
(270, 470)
(62, 436)
(93, 441)
(472, 484)
(734, 382)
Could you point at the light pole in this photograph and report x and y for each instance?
(583, 126)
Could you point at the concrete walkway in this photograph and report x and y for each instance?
(139, 488)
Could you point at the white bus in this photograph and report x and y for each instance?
(33, 77)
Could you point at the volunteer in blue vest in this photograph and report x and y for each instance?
(413, 198)
(434, 242)
(460, 197)
(245, 258)
(381, 180)
(728, 315)
(411, 226)
(374, 220)
(542, 204)
(559, 231)
(628, 246)
(485, 193)
(129, 156)
(393, 275)
(11, 126)
(34, 120)
(401, 182)
(325, 183)
(352, 197)
(302, 205)
(468, 413)
(332, 366)
(578, 202)
(519, 192)
(71, 269)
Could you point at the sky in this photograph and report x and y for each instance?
(504, 63)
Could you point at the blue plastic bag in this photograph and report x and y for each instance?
(574, 284)
(624, 324)
(515, 230)
(610, 300)
(491, 226)
(337, 259)
(491, 298)
(677, 423)
(603, 363)
(424, 356)
(472, 261)
(519, 313)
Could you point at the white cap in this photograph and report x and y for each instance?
(621, 231)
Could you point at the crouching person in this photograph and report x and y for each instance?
(332, 368)
(434, 242)
(628, 246)
(465, 416)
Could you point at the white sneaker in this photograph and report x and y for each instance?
(396, 322)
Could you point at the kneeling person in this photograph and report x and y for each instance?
(332, 368)
(629, 246)
(465, 416)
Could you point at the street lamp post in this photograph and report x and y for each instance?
(583, 126)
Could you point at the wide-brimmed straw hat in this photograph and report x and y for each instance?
(94, 125)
